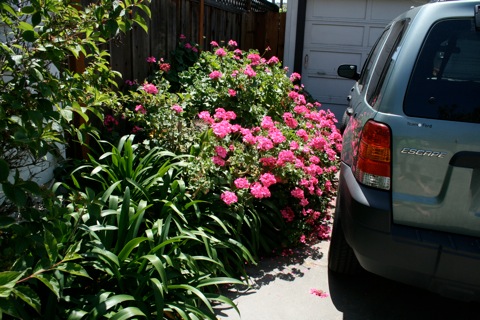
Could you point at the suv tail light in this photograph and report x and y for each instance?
(372, 166)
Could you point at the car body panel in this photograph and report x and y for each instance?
(424, 230)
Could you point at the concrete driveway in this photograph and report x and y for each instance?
(281, 289)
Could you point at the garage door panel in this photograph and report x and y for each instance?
(349, 9)
(334, 91)
(373, 34)
(385, 11)
(325, 63)
(330, 34)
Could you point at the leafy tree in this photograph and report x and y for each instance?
(43, 102)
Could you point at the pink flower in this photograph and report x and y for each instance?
(288, 214)
(220, 113)
(294, 145)
(214, 43)
(238, 52)
(285, 156)
(232, 43)
(205, 116)
(297, 193)
(130, 82)
(229, 197)
(276, 136)
(259, 191)
(314, 159)
(109, 121)
(182, 37)
(188, 46)
(194, 49)
(165, 67)
(303, 239)
(317, 143)
(221, 129)
(136, 129)
(218, 161)
(304, 202)
(290, 120)
(273, 60)
(150, 88)
(267, 123)
(319, 293)
(140, 109)
(268, 179)
(151, 60)
(268, 162)
(234, 73)
(295, 76)
(232, 92)
(301, 109)
(293, 95)
(242, 183)
(302, 134)
(264, 143)
(214, 75)
(221, 52)
(254, 58)
(221, 152)
(177, 108)
(249, 72)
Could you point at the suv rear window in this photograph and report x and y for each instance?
(445, 83)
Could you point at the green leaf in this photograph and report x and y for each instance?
(193, 290)
(51, 246)
(7, 8)
(8, 279)
(128, 313)
(29, 296)
(28, 10)
(50, 281)
(141, 22)
(158, 289)
(123, 220)
(6, 222)
(29, 35)
(74, 269)
(4, 170)
(223, 299)
(218, 281)
(72, 252)
(132, 244)
(102, 307)
(15, 194)
(158, 264)
(25, 26)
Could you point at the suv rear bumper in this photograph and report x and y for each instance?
(440, 262)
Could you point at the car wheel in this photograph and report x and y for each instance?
(341, 258)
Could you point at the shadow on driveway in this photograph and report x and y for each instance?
(368, 296)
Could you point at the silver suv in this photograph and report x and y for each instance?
(408, 206)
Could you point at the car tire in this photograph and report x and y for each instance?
(341, 258)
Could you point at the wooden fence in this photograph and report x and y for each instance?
(253, 24)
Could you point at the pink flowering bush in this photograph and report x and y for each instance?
(232, 79)
(267, 155)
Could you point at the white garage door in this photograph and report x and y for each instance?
(342, 32)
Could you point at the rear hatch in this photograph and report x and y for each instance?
(436, 146)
